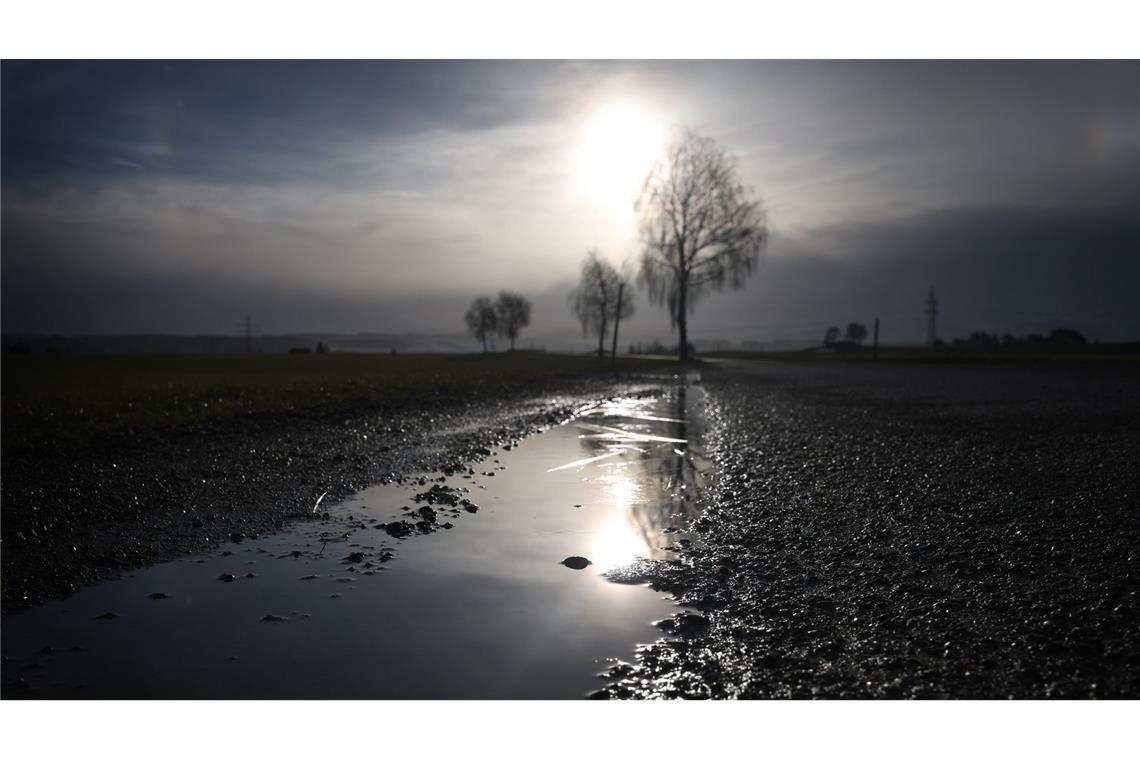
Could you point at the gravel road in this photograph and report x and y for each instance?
(909, 531)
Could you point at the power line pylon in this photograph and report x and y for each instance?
(931, 319)
(248, 328)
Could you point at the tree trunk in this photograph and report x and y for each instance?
(683, 319)
(617, 323)
(602, 340)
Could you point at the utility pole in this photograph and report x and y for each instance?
(248, 328)
(875, 350)
(931, 319)
(617, 321)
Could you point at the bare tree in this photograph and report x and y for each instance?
(513, 312)
(856, 332)
(831, 336)
(482, 320)
(602, 298)
(700, 231)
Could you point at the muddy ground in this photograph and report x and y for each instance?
(909, 531)
(74, 514)
(901, 531)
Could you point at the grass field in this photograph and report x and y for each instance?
(1112, 353)
(67, 398)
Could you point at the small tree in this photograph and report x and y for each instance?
(482, 320)
(595, 301)
(831, 336)
(856, 332)
(513, 312)
(700, 231)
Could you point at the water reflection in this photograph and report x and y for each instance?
(651, 468)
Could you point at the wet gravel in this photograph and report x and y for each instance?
(907, 531)
(75, 514)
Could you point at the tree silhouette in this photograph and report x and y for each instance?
(513, 312)
(856, 332)
(595, 301)
(831, 336)
(482, 320)
(700, 232)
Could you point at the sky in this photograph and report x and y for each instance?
(383, 196)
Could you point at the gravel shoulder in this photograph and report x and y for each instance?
(909, 531)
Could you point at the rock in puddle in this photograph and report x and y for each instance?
(227, 577)
(684, 624)
(158, 595)
(401, 529)
(576, 563)
(274, 619)
(108, 616)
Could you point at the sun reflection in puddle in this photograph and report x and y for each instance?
(617, 543)
(643, 460)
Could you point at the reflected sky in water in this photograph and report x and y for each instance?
(484, 610)
(651, 469)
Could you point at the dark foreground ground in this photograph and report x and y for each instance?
(890, 530)
(111, 463)
(910, 531)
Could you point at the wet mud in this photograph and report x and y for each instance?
(74, 515)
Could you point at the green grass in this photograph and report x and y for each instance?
(69, 399)
(947, 354)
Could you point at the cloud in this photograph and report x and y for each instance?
(332, 195)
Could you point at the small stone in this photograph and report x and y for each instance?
(158, 595)
(577, 563)
(398, 529)
(274, 619)
(108, 616)
(227, 577)
(684, 624)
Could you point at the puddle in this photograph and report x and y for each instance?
(338, 608)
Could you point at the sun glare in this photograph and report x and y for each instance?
(619, 144)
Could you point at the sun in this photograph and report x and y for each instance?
(619, 144)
